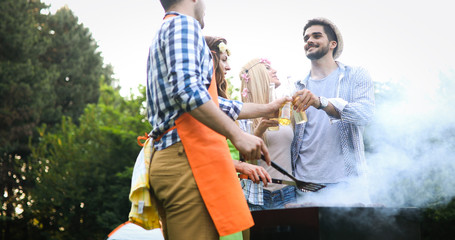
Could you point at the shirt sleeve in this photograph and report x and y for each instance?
(360, 110)
(242, 125)
(232, 108)
(186, 53)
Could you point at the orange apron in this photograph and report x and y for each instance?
(210, 160)
(215, 175)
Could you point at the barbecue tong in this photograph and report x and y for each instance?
(301, 185)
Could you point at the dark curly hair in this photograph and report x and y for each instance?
(327, 29)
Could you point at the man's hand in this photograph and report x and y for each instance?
(250, 146)
(303, 99)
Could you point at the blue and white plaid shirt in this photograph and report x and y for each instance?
(179, 71)
(355, 103)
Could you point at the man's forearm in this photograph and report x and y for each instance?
(211, 116)
(331, 111)
(251, 147)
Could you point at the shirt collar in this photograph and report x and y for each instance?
(304, 81)
(172, 13)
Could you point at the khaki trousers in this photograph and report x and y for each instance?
(182, 211)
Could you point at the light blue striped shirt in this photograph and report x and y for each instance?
(355, 102)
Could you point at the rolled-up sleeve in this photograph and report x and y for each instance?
(232, 108)
(360, 109)
(185, 73)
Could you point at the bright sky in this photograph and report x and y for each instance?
(394, 40)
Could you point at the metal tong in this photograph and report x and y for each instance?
(301, 185)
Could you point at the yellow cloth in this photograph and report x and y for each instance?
(143, 212)
(140, 196)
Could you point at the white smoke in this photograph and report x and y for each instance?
(413, 142)
(411, 148)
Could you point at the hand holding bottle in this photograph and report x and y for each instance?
(303, 99)
(266, 124)
(272, 97)
(299, 114)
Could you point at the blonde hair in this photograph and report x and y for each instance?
(257, 84)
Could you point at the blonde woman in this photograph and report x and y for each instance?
(256, 77)
(220, 55)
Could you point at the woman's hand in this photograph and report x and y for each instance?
(274, 106)
(263, 125)
(254, 172)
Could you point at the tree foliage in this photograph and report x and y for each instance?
(37, 52)
(25, 94)
(83, 171)
(438, 222)
(73, 54)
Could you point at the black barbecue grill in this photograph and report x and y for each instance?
(330, 223)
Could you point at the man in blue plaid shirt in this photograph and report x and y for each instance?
(179, 73)
(339, 102)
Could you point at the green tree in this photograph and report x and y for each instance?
(73, 52)
(23, 83)
(49, 68)
(438, 221)
(83, 171)
(233, 92)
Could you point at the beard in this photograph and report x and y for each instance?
(319, 53)
(201, 22)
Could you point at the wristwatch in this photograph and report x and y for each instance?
(323, 102)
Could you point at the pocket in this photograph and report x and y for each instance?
(170, 167)
(164, 169)
(169, 162)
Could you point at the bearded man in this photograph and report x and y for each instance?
(339, 102)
